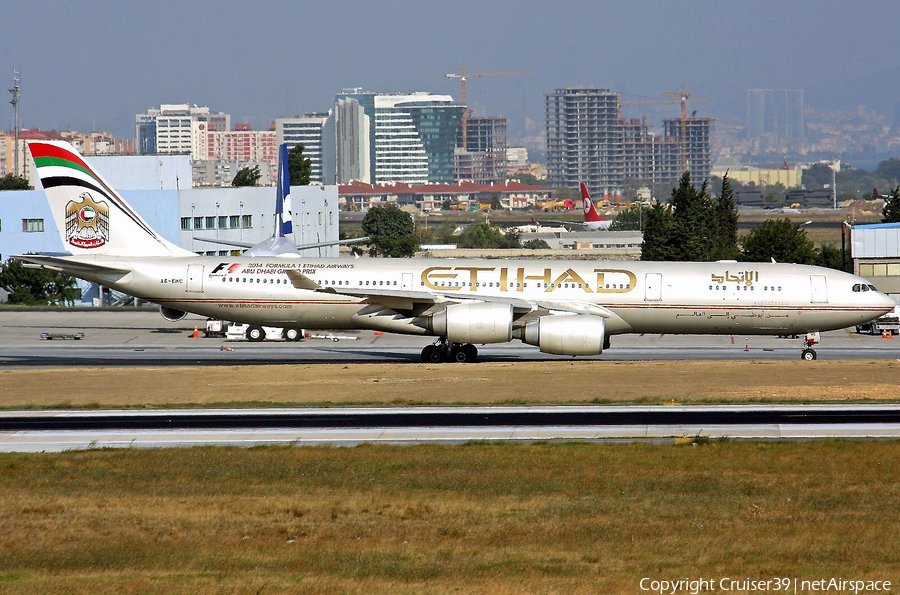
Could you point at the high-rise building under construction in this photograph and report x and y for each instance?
(589, 141)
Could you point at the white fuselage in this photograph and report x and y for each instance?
(635, 297)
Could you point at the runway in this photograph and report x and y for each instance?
(29, 431)
(126, 338)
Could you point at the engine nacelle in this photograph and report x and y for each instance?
(474, 323)
(567, 335)
(171, 314)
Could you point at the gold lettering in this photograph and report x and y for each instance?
(601, 279)
(473, 275)
(570, 276)
(428, 274)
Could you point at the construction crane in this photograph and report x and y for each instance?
(462, 76)
(682, 98)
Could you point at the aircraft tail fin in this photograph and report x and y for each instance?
(283, 223)
(590, 212)
(91, 216)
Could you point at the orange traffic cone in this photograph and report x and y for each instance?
(196, 334)
(746, 344)
(885, 334)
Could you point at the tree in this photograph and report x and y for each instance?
(482, 235)
(529, 179)
(779, 239)
(247, 176)
(391, 232)
(889, 170)
(817, 176)
(830, 257)
(632, 218)
(891, 210)
(536, 244)
(694, 227)
(659, 234)
(33, 287)
(725, 246)
(14, 182)
(299, 167)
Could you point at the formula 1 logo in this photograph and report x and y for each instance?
(87, 222)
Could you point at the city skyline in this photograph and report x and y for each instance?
(93, 66)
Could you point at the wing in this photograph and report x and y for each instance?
(419, 301)
(299, 246)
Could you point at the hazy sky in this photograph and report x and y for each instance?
(94, 65)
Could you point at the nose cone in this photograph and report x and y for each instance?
(885, 301)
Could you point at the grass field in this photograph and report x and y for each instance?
(480, 518)
(561, 382)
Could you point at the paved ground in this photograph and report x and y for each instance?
(128, 338)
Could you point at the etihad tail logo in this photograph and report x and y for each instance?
(87, 222)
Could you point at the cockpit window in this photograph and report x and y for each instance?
(857, 287)
(872, 287)
(865, 288)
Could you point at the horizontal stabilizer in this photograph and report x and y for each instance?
(71, 267)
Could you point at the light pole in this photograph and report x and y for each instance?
(15, 104)
(217, 221)
(241, 221)
(193, 227)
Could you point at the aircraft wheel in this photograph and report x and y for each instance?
(459, 354)
(255, 334)
(291, 334)
(808, 354)
(471, 352)
(432, 354)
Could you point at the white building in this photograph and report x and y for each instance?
(315, 131)
(396, 138)
(177, 129)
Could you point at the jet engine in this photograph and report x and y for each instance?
(474, 323)
(171, 314)
(567, 335)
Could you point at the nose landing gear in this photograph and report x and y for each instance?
(445, 351)
(808, 353)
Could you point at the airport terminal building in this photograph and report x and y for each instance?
(875, 250)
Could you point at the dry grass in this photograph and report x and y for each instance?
(489, 383)
(543, 518)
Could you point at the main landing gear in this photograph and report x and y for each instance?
(808, 353)
(445, 351)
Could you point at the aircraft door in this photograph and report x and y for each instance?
(819, 289)
(195, 278)
(653, 283)
(406, 282)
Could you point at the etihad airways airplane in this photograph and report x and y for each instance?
(593, 221)
(562, 307)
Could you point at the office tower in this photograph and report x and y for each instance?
(177, 129)
(385, 138)
(791, 117)
(483, 160)
(585, 139)
(761, 113)
(315, 131)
